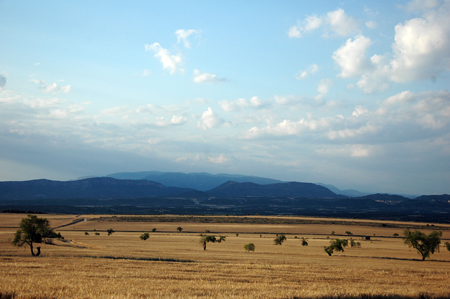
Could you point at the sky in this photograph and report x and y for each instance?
(348, 93)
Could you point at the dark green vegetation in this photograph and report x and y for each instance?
(336, 245)
(110, 231)
(34, 230)
(425, 245)
(210, 238)
(249, 247)
(144, 236)
(279, 239)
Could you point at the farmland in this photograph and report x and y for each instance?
(172, 264)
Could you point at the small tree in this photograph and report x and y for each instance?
(144, 236)
(249, 247)
(349, 233)
(304, 241)
(208, 238)
(279, 239)
(179, 229)
(110, 231)
(447, 244)
(221, 238)
(395, 235)
(354, 244)
(336, 244)
(332, 232)
(86, 233)
(153, 229)
(97, 234)
(425, 245)
(34, 230)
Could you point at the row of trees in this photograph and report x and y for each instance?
(37, 230)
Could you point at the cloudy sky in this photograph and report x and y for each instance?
(349, 93)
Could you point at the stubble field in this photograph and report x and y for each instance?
(173, 264)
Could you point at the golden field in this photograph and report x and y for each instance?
(174, 265)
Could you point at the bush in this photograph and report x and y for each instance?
(97, 234)
(304, 241)
(279, 239)
(207, 231)
(332, 232)
(110, 231)
(144, 236)
(395, 235)
(447, 244)
(349, 233)
(179, 229)
(249, 247)
(237, 235)
(354, 244)
(153, 229)
(86, 233)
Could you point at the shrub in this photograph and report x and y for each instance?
(447, 244)
(279, 239)
(179, 229)
(237, 235)
(110, 231)
(354, 244)
(207, 231)
(395, 235)
(153, 229)
(144, 236)
(97, 234)
(304, 241)
(249, 247)
(349, 233)
(332, 232)
(86, 233)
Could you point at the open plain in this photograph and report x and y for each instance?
(170, 264)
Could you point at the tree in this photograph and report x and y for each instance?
(395, 235)
(279, 239)
(179, 229)
(336, 244)
(249, 247)
(304, 241)
(354, 244)
(447, 244)
(144, 236)
(34, 230)
(209, 238)
(349, 233)
(110, 231)
(425, 245)
(153, 229)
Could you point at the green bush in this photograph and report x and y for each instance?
(97, 234)
(249, 247)
(110, 231)
(153, 229)
(447, 244)
(304, 241)
(336, 244)
(86, 233)
(279, 239)
(144, 236)
(179, 229)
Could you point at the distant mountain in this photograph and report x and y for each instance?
(199, 181)
(346, 192)
(291, 189)
(101, 188)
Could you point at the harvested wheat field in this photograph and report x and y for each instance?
(172, 264)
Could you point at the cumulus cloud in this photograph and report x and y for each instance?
(182, 35)
(371, 24)
(241, 103)
(287, 127)
(2, 82)
(200, 77)
(170, 62)
(305, 74)
(52, 88)
(335, 23)
(420, 5)
(324, 86)
(210, 120)
(351, 57)
(175, 120)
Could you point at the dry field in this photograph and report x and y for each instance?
(174, 265)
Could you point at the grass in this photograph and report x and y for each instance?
(174, 265)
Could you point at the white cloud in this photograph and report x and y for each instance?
(169, 61)
(175, 120)
(37, 64)
(359, 110)
(335, 22)
(146, 73)
(422, 47)
(294, 32)
(305, 74)
(2, 82)
(421, 5)
(371, 24)
(359, 150)
(200, 77)
(52, 88)
(324, 86)
(241, 103)
(287, 127)
(219, 160)
(182, 35)
(348, 133)
(210, 120)
(351, 57)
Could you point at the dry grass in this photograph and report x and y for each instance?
(174, 265)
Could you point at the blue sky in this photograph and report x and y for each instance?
(349, 93)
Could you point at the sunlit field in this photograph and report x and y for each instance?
(172, 264)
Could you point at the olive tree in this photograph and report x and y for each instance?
(336, 244)
(34, 230)
(210, 238)
(425, 245)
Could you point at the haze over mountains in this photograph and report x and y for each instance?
(133, 193)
